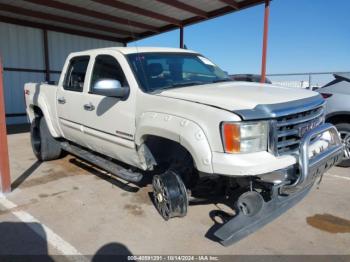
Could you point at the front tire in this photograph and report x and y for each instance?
(45, 146)
(344, 130)
(170, 195)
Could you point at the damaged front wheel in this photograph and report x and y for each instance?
(170, 195)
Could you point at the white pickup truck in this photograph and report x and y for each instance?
(173, 115)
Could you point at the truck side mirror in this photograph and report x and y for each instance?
(110, 88)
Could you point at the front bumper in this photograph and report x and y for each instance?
(241, 225)
(284, 195)
(311, 168)
(252, 164)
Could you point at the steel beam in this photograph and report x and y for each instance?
(181, 37)
(46, 56)
(5, 179)
(185, 7)
(137, 10)
(265, 38)
(22, 22)
(62, 19)
(231, 3)
(91, 13)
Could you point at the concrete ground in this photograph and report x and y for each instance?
(87, 211)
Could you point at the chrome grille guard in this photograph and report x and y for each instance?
(310, 169)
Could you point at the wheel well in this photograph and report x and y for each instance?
(337, 119)
(166, 151)
(37, 111)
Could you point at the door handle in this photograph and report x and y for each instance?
(89, 107)
(61, 100)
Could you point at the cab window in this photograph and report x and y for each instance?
(107, 67)
(76, 73)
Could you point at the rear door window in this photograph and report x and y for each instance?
(75, 76)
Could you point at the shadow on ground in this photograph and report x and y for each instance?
(23, 239)
(112, 252)
(15, 184)
(104, 176)
(28, 242)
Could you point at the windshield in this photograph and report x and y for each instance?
(158, 71)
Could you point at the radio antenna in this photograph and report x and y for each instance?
(138, 56)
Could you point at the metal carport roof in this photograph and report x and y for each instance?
(116, 20)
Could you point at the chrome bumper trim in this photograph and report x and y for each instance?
(310, 169)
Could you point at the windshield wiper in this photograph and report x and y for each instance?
(222, 80)
(193, 83)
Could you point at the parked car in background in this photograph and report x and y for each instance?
(337, 94)
(249, 78)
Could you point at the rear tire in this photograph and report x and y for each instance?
(45, 146)
(344, 130)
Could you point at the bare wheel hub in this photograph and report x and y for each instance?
(159, 197)
(250, 203)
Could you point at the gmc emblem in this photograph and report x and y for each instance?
(306, 127)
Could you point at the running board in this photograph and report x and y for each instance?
(99, 161)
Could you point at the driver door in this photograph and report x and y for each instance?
(109, 122)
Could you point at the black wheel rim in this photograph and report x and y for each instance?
(170, 195)
(161, 197)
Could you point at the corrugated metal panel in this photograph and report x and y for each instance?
(206, 5)
(116, 12)
(22, 48)
(61, 44)
(14, 97)
(128, 12)
(69, 26)
(160, 8)
(55, 77)
(55, 11)
(16, 120)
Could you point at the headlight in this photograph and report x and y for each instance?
(245, 137)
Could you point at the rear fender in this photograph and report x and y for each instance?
(42, 105)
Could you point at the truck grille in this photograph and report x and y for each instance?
(291, 128)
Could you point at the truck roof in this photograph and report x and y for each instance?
(134, 50)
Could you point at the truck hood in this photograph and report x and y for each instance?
(237, 95)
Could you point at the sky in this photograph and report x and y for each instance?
(304, 36)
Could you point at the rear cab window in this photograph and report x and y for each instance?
(76, 73)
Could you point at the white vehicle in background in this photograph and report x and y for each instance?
(175, 117)
(337, 94)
